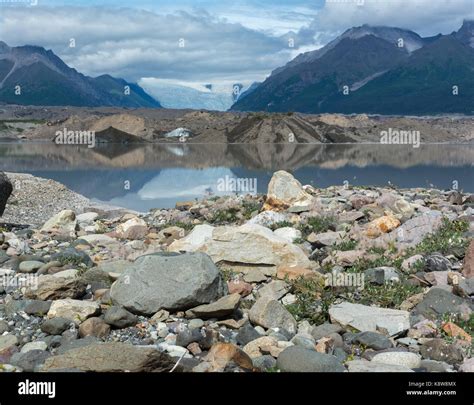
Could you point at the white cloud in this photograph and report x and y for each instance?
(426, 17)
(134, 43)
(239, 42)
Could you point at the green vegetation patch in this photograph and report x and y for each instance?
(448, 239)
(318, 225)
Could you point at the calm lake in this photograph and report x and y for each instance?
(142, 177)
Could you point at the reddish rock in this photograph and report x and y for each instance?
(221, 354)
(6, 354)
(194, 348)
(239, 287)
(94, 327)
(358, 201)
(468, 267)
(294, 272)
(453, 330)
(384, 224)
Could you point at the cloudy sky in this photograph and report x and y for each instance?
(206, 41)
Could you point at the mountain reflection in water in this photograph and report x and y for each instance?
(161, 175)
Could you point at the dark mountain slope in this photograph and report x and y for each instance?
(45, 79)
(419, 78)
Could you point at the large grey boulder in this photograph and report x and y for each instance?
(168, 281)
(413, 231)
(269, 313)
(30, 360)
(438, 302)
(6, 189)
(298, 359)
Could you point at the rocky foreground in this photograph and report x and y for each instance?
(302, 279)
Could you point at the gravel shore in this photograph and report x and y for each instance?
(34, 200)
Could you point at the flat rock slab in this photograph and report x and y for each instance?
(405, 359)
(75, 310)
(53, 287)
(374, 319)
(222, 307)
(362, 366)
(249, 244)
(111, 357)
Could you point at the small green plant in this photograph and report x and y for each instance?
(312, 300)
(419, 265)
(346, 245)
(225, 216)
(249, 207)
(317, 225)
(273, 369)
(389, 295)
(71, 261)
(376, 250)
(227, 274)
(467, 325)
(364, 264)
(187, 226)
(80, 271)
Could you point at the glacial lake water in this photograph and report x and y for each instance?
(145, 176)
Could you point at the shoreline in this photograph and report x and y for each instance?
(201, 126)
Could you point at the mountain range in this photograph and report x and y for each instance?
(44, 79)
(378, 70)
